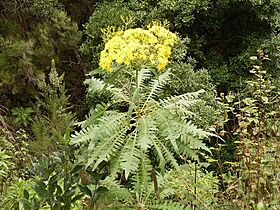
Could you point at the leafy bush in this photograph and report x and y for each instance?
(256, 113)
(58, 182)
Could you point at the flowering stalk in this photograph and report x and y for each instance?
(138, 47)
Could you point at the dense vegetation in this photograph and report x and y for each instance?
(130, 104)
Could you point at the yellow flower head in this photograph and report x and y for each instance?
(137, 46)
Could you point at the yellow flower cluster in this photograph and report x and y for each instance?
(137, 46)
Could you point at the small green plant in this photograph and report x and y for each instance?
(23, 116)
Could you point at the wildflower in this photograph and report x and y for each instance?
(133, 47)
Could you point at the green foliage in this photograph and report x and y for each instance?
(15, 61)
(185, 79)
(56, 182)
(18, 189)
(13, 160)
(191, 186)
(107, 14)
(223, 34)
(14, 156)
(181, 13)
(53, 115)
(43, 8)
(185, 188)
(148, 126)
(232, 32)
(22, 115)
(255, 172)
(6, 166)
(139, 196)
(60, 183)
(141, 126)
(43, 31)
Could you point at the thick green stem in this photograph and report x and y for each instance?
(137, 93)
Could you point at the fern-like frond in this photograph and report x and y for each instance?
(187, 152)
(142, 179)
(116, 193)
(115, 162)
(168, 125)
(197, 144)
(176, 136)
(190, 139)
(158, 150)
(107, 148)
(156, 86)
(143, 75)
(131, 155)
(169, 156)
(167, 192)
(146, 129)
(94, 115)
(164, 182)
(95, 85)
(193, 136)
(163, 119)
(119, 96)
(83, 136)
(181, 102)
(107, 126)
(168, 205)
(184, 97)
(190, 128)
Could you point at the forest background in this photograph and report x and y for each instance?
(201, 134)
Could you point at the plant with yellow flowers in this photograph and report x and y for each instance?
(134, 47)
(150, 134)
